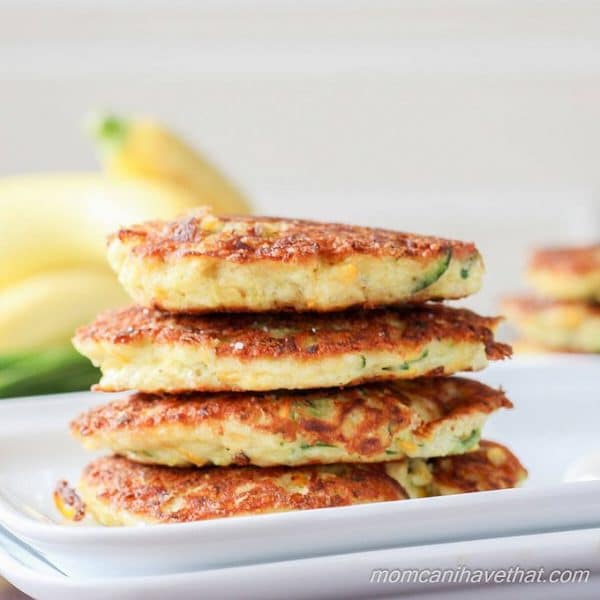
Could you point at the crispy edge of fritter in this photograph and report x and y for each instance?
(246, 239)
(292, 416)
(492, 466)
(307, 337)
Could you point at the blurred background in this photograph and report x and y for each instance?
(468, 119)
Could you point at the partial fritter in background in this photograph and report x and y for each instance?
(564, 315)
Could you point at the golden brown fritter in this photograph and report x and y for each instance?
(370, 423)
(152, 351)
(567, 273)
(559, 325)
(119, 491)
(204, 263)
(116, 491)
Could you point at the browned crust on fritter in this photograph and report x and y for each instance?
(296, 241)
(290, 415)
(302, 336)
(382, 407)
(529, 305)
(576, 260)
(456, 397)
(476, 472)
(150, 491)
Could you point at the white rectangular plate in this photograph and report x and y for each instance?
(555, 421)
(339, 576)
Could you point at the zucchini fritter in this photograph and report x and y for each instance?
(204, 263)
(117, 491)
(567, 273)
(564, 326)
(370, 423)
(152, 351)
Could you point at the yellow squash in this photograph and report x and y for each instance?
(53, 221)
(146, 149)
(43, 310)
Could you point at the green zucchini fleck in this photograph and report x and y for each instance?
(305, 446)
(144, 453)
(405, 366)
(465, 270)
(434, 272)
(391, 452)
(471, 440)
(319, 408)
(363, 361)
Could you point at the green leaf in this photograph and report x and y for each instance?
(54, 370)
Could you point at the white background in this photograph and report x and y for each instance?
(475, 119)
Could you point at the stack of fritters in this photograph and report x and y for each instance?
(565, 316)
(284, 364)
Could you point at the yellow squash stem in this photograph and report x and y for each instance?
(144, 148)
